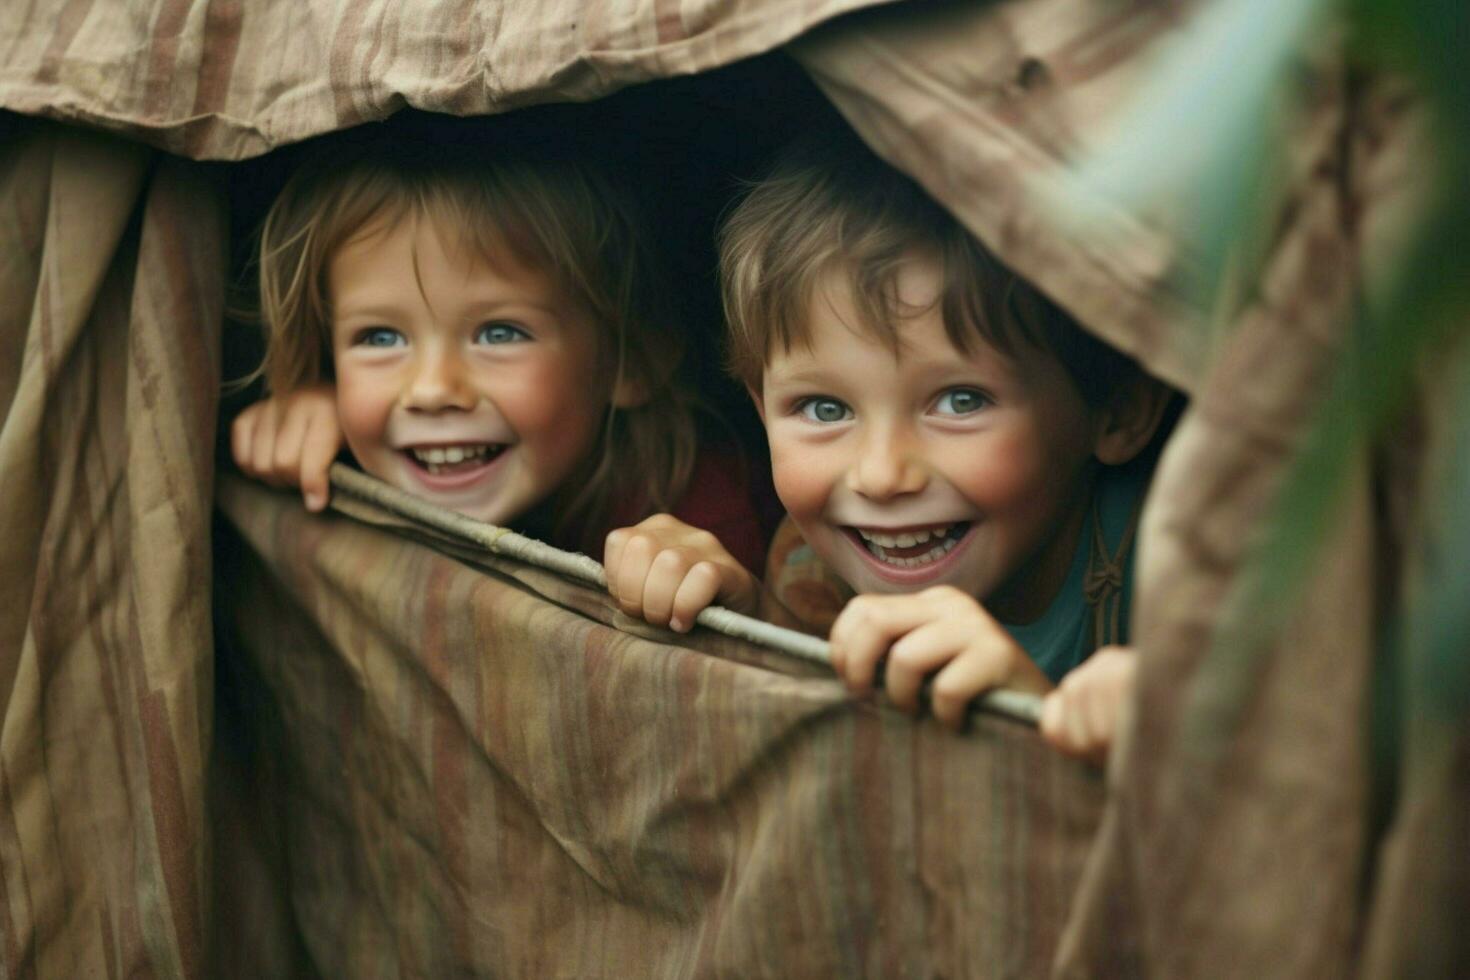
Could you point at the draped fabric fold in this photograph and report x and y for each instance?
(476, 773)
(435, 765)
(111, 278)
(227, 80)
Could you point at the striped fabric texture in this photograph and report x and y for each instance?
(230, 79)
(111, 277)
(414, 764)
(473, 771)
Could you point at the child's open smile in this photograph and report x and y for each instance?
(932, 466)
(923, 551)
(476, 386)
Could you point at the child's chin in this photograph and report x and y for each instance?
(479, 506)
(484, 511)
(868, 580)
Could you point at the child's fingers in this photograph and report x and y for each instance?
(698, 590)
(740, 590)
(263, 444)
(1075, 736)
(290, 442)
(318, 449)
(1097, 721)
(1084, 741)
(241, 434)
(629, 555)
(919, 653)
(681, 583)
(612, 557)
(1062, 723)
(666, 573)
(1101, 688)
(988, 661)
(1077, 722)
(1053, 712)
(865, 629)
(635, 561)
(1106, 714)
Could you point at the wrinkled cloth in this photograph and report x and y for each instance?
(474, 771)
(111, 279)
(1241, 826)
(231, 80)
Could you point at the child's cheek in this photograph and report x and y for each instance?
(1009, 474)
(362, 411)
(548, 396)
(801, 482)
(555, 407)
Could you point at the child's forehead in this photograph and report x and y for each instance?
(921, 345)
(436, 234)
(420, 220)
(908, 318)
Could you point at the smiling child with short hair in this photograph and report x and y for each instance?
(947, 443)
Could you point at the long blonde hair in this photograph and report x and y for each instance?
(553, 211)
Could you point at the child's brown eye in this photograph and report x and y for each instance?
(825, 410)
(961, 401)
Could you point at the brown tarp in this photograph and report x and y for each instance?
(109, 259)
(464, 769)
(476, 773)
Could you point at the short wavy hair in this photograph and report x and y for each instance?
(829, 205)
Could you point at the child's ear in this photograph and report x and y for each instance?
(1130, 420)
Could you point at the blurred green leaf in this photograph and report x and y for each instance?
(1375, 375)
(1199, 140)
(1439, 625)
(1204, 136)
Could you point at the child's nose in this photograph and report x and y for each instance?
(438, 382)
(889, 466)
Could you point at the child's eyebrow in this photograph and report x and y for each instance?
(376, 311)
(489, 307)
(814, 375)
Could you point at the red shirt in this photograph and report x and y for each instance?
(724, 500)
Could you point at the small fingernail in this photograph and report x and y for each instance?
(314, 501)
(677, 625)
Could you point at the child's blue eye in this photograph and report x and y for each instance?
(499, 333)
(961, 401)
(379, 337)
(825, 410)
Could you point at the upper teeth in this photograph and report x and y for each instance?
(905, 539)
(438, 455)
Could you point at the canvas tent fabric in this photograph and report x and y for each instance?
(511, 779)
(228, 81)
(1240, 824)
(111, 256)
